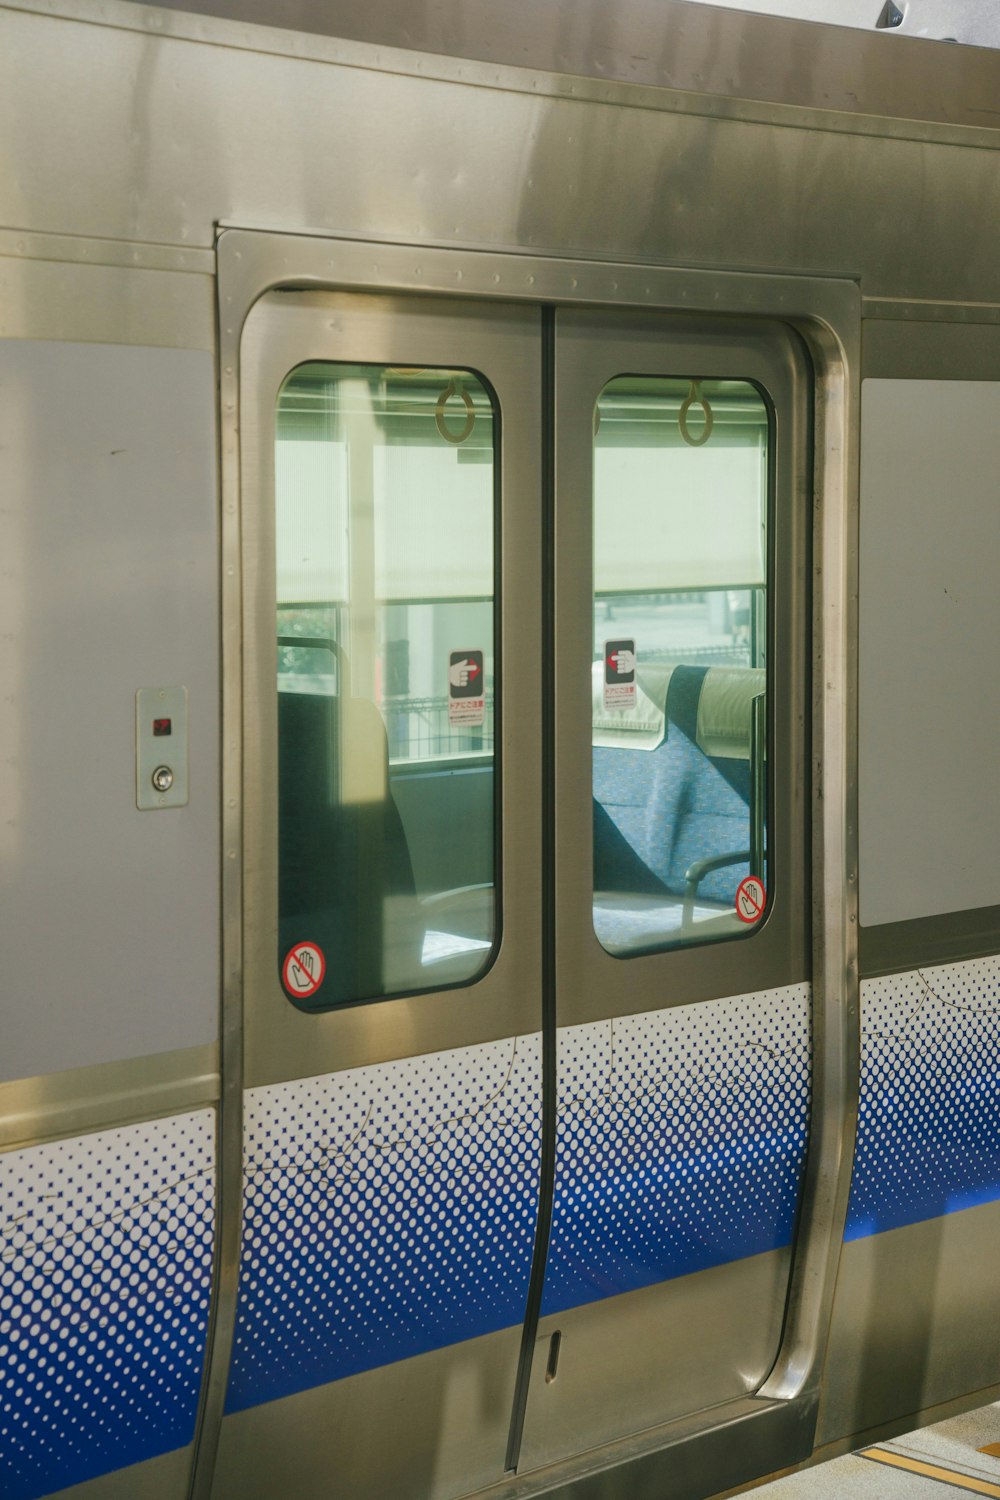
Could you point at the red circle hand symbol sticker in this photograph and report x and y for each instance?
(303, 971)
(751, 898)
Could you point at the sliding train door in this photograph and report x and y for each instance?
(391, 904)
(680, 886)
(525, 1019)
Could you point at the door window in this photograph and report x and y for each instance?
(680, 661)
(385, 514)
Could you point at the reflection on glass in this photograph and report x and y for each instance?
(384, 502)
(680, 662)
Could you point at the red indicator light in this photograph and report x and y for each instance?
(162, 726)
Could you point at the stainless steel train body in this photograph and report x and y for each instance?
(501, 907)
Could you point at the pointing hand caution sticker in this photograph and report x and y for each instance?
(619, 674)
(623, 662)
(751, 898)
(303, 970)
(464, 671)
(466, 689)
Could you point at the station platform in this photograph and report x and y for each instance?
(962, 1454)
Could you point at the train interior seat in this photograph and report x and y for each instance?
(672, 818)
(347, 876)
(671, 810)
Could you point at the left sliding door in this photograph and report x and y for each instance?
(391, 789)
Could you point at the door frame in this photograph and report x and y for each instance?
(281, 333)
(780, 1419)
(594, 984)
(616, 1374)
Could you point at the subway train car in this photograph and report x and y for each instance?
(501, 916)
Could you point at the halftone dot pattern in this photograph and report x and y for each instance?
(680, 1142)
(928, 1137)
(389, 1211)
(105, 1273)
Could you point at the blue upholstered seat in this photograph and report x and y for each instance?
(658, 811)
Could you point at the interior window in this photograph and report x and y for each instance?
(680, 668)
(384, 496)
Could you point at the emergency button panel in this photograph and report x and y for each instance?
(161, 748)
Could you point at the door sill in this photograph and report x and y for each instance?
(690, 1459)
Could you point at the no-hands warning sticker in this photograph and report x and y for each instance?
(751, 898)
(303, 970)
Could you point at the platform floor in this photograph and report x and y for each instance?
(913, 1467)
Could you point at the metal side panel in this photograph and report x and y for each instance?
(718, 52)
(919, 1285)
(927, 1142)
(386, 1433)
(491, 155)
(57, 1105)
(699, 1340)
(696, 1457)
(389, 1213)
(915, 1322)
(106, 1246)
(929, 621)
(163, 1478)
(109, 541)
(49, 290)
(911, 351)
(681, 1140)
(429, 1428)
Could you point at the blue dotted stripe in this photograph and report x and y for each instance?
(105, 1273)
(680, 1144)
(928, 1142)
(389, 1211)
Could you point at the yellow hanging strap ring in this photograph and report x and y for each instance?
(454, 389)
(695, 398)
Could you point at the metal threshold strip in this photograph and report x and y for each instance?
(954, 1477)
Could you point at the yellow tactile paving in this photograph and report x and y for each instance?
(957, 1480)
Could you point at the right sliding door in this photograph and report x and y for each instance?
(681, 883)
